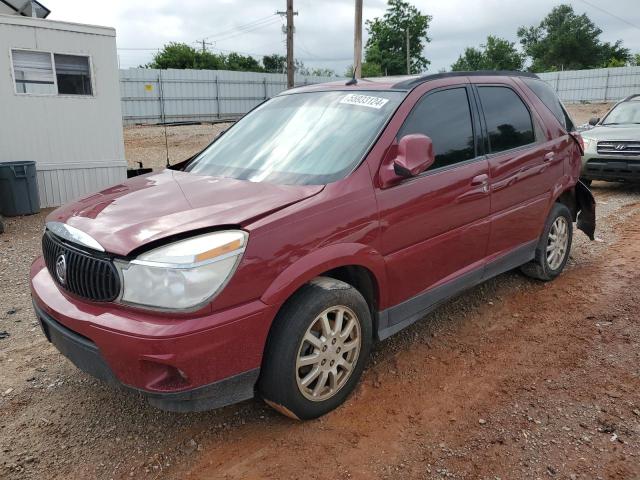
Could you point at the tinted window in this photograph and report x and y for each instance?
(446, 118)
(508, 119)
(547, 96)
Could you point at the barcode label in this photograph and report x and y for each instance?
(364, 100)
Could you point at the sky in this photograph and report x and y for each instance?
(324, 28)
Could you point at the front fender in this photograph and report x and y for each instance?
(321, 260)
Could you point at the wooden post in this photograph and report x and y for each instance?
(357, 41)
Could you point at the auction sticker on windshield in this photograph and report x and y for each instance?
(364, 100)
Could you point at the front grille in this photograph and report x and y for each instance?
(86, 275)
(622, 148)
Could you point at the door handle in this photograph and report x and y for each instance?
(482, 180)
(549, 156)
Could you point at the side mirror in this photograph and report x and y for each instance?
(593, 121)
(415, 155)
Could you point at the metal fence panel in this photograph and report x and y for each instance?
(155, 96)
(596, 85)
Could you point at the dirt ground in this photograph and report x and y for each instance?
(582, 112)
(513, 379)
(146, 144)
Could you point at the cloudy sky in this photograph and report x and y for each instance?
(324, 28)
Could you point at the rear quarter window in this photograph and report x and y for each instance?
(547, 96)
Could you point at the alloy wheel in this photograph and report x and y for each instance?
(328, 353)
(557, 242)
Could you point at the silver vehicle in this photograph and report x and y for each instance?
(612, 146)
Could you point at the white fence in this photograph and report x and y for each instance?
(156, 96)
(597, 85)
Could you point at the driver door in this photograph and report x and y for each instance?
(435, 226)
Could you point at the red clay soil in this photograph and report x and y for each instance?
(543, 381)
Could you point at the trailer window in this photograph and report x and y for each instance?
(73, 74)
(46, 73)
(33, 72)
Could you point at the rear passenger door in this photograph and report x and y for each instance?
(523, 170)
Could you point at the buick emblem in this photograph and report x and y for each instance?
(621, 146)
(61, 269)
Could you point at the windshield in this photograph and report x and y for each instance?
(304, 138)
(624, 113)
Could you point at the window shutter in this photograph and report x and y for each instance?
(33, 66)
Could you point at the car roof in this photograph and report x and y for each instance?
(402, 83)
(632, 98)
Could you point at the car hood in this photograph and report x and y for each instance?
(150, 207)
(613, 132)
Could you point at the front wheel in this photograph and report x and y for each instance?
(553, 247)
(317, 349)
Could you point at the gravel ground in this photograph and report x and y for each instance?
(146, 144)
(514, 379)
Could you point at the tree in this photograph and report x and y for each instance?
(387, 43)
(275, 63)
(565, 40)
(175, 55)
(243, 63)
(369, 69)
(495, 54)
(182, 56)
(323, 72)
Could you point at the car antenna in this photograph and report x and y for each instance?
(354, 80)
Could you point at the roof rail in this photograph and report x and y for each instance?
(414, 82)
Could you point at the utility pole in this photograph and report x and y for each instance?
(204, 44)
(290, 66)
(357, 41)
(408, 54)
(290, 71)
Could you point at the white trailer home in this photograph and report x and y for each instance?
(60, 103)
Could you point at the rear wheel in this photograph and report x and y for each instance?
(554, 246)
(317, 349)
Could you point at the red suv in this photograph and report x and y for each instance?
(327, 218)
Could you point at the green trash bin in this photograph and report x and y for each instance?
(18, 189)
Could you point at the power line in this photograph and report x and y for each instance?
(611, 14)
(243, 32)
(243, 27)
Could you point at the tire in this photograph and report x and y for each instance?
(546, 266)
(287, 381)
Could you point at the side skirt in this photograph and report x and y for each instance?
(400, 316)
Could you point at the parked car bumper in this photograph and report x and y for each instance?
(185, 364)
(598, 167)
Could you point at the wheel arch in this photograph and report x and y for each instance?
(358, 265)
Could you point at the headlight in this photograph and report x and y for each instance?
(183, 274)
(588, 142)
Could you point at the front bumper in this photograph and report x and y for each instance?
(598, 167)
(185, 364)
